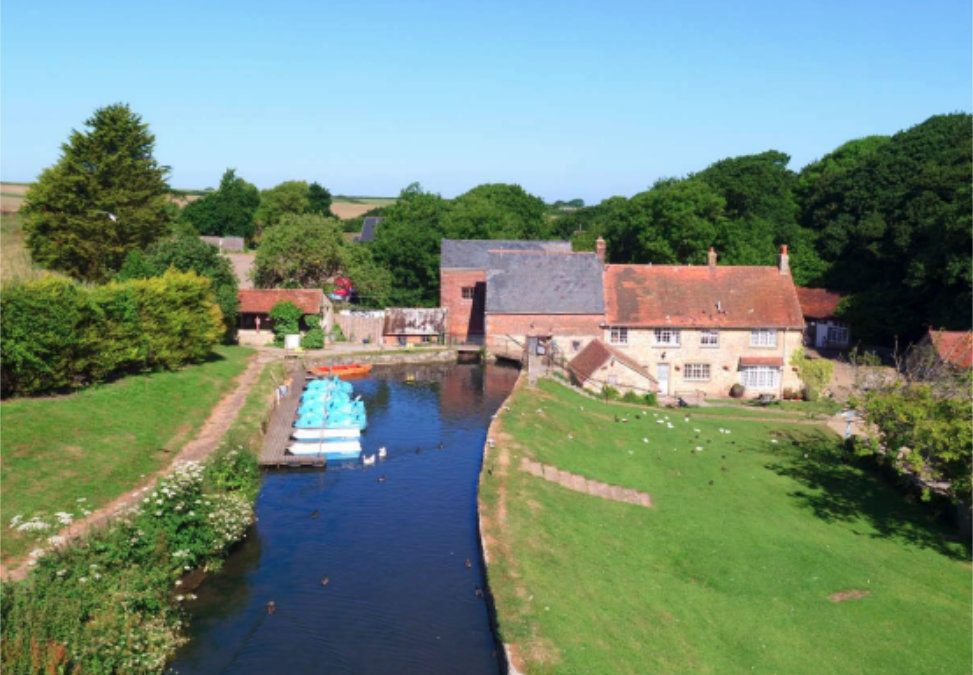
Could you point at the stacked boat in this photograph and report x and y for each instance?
(329, 421)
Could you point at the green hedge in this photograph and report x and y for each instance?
(58, 335)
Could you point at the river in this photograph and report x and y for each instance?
(366, 567)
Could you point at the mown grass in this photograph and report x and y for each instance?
(247, 430)
(100, 442)
(732, 568)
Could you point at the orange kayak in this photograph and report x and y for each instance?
(343, 371)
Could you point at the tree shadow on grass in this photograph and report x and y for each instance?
(843, 488)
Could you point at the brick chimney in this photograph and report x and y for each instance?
(784, 263)
(711, 257)
(600, 249)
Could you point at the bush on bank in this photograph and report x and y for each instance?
(56, 334)
(112, 603)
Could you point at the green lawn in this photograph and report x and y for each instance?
(100, 442)
(731, 570)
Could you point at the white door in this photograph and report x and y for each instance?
(662, 375)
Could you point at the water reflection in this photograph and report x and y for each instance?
(391, 541)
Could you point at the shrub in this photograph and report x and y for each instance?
(650, 398)
(286, 317)
(56, 334)
(111, 603)
(631, 397)
(737, 390)
(337, 334)
(609, 393)
(314, 339)
(815, 373)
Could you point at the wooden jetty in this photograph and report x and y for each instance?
(278, 435)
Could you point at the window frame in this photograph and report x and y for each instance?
(467, 292)
(837, 328)
(758, 342)
(704, 375)
(675, 336)
(618, 335)
(747, 373)
(709, 332)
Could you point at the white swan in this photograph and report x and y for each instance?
(368, 460)
(382, 452)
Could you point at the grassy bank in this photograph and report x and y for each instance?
(15, 262)
(99, 443)
(113, 603)
(765, 550)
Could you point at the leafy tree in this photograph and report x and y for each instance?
(373, 283)
(407, 245)
(496, 211)
(290, 197)
(286, 318)
(189, 254)
(319, 200)
(301, 251)
(105, 196)
(676, 221)
(895, 226)
(227, 211)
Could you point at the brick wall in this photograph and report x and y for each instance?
(464, 317)
(723, 360)
(396, 340)
(507, 333)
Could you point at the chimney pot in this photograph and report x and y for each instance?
(711, 257)
(600, 247)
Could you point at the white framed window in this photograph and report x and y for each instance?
(695, 372)
(667, 337)
(838, 335)
(709, 338)
(763, 337)
(618, 336)
(467, 292)
(760, 377)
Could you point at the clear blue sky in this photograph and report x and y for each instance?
(568, 99)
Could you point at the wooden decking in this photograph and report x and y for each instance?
(277, 438)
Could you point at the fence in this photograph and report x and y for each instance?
(361, 326)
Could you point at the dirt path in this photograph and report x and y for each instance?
(206, 441)
(573, 481)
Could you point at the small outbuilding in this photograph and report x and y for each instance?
(254, 323)
(599, 365)
(414, 325)
(823, 330)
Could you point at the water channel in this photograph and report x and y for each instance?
(366, 567)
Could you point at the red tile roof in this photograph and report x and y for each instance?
(594, 356)
(954, 347)
(818, 303)
(762, 361)
(261, 301)
(687, 296)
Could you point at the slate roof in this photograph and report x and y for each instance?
(953, 347)
(818, 303)
(368, 228)
(474, 253)
(537, 282)
(414, 321)
(595, 354)
(687, 296)
(261, 301)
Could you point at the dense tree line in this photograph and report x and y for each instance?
(884, 219)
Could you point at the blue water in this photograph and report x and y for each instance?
(399, 598)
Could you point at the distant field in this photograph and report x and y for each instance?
(15, 262)
(343, 206)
